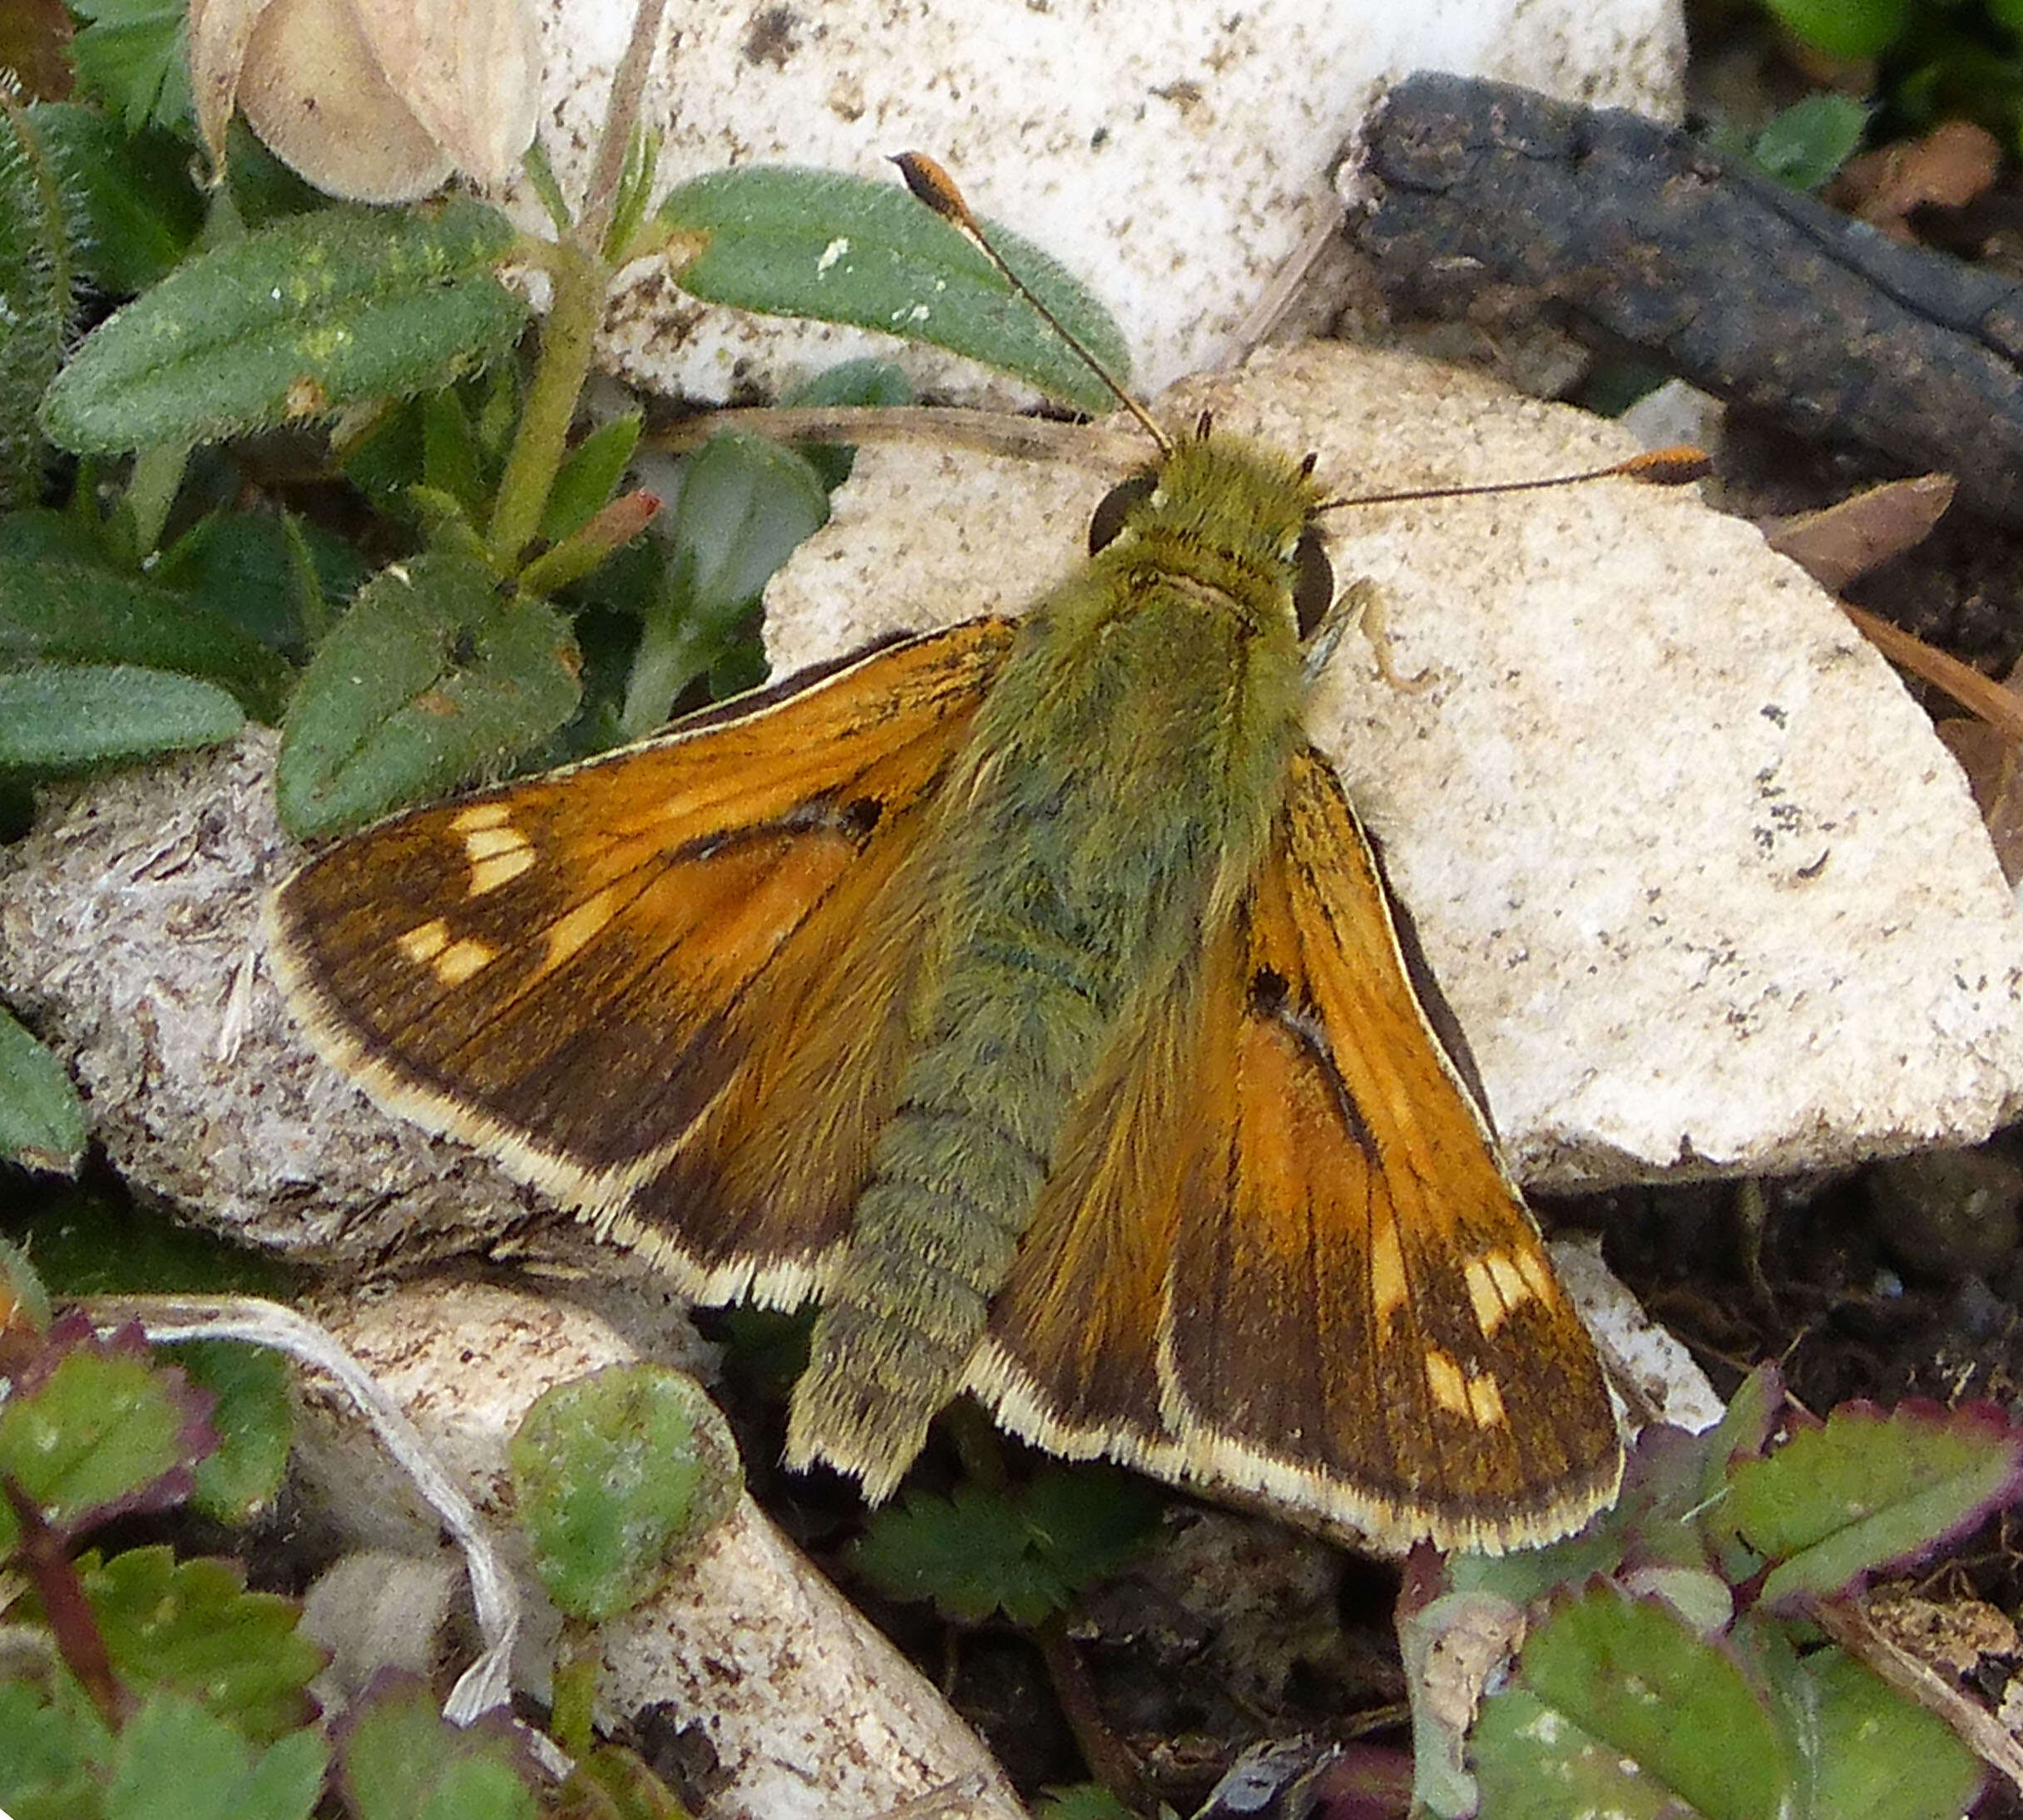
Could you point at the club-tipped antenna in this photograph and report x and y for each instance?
(933, 185)
(1674, 467)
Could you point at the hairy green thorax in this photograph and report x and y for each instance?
(1117, 794)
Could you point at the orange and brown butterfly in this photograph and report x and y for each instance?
(1028, 992)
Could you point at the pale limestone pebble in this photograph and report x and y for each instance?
(808, 1710)
(1705, 892)
(1178, 171)
(129, 940)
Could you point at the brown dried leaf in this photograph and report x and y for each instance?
(1990, 759)
(1950, 166)
(1848, 540)
(377, 100)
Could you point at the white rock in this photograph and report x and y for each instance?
(810, 1710)
(1176, 160)
(1701, 886)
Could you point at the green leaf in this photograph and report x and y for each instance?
(137, 211)
(24, 1302)
(253, 1418)
(68, 717)
(35, 296)
(314, 312)
(192, 1626)
(981, 1551)
(1869, 1489)
(1876, 1757)
(41, 1119)
(745, 503)
(1808, 143)
(131, 54)
(614, 1476)
(103, 1431)
(433, 677)
(63, 602)
(1849, 29)
(53, 1748)
(744, 506)
(590, 476)
(451, 462)
(1618, 1707)
(402, 1760)
(792, 242)
(177, 1762)
(853, 382)
(1081, 1801)
(268, 577)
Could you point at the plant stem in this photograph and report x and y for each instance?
(628, 88)
(568, 337)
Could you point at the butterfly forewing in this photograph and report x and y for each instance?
(1357, 1284)
(630, 978)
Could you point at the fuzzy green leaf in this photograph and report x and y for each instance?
(193, 1626)
(981, 1551)
(745, 503)
(314, 312)
(176, 1761)
(136, 209)
(1618, 1707)
(68, 717)
(434, 676)
(61, 602)
(1081, 1801)
(614, 1476)
(253, 1418)
(1876, 1757)
(131, 53)
(792, 242)
(103, 1432)
(35, 296)
(589, 478)
(1868, 1490)
(41, 1119)
(1808, 143)
(1850, 29)
(53, 1748)
(402, 1760)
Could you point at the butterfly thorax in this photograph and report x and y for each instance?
(1117, 792)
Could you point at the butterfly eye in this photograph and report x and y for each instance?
(1312, 583)
(1110, 516)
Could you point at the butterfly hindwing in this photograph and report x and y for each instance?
(1305, 1271)
(627, 979)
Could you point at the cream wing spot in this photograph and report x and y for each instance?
(569, 935)
(460, 960)
(496, 869)
(1446, 1380)
(482, 815)
(1475, 1395)
(423, 944)
(1497, 1288)
(1537, 1275)
(1390, 1289)
(483, 843)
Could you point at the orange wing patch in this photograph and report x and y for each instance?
(709, 929)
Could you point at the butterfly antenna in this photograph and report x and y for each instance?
(1656, 467)
(933, 185)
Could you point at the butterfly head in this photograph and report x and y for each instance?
(1233, 503)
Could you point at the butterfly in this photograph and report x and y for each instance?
(1028, 992)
